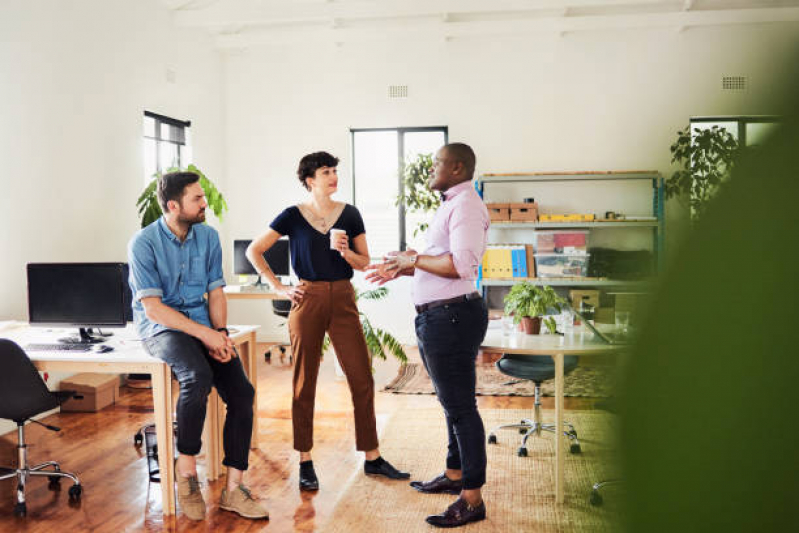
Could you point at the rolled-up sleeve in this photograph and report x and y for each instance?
(467, 241)
(215, 277)
(143, 272)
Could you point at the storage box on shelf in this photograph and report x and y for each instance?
(498, 212)
(523, 212)
(561, 265)
(560, 241)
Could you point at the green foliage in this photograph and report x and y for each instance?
(527, 299)
(379, 342)
(417, 196)
(706, 160)
(150, 210)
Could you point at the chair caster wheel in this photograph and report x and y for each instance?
(20, 510)
(75, 492)
(596, 499)
(55, 482)
(283, 350)
(138, 439)
(522, 452)
(522, 431)
(575, 448)
(492, 439)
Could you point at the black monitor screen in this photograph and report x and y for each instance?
(77, 294)
(277, 257)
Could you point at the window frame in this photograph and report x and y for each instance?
(741, 120)
(163, 119)
(401, 131)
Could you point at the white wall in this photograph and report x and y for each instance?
(75, 78)
(587, 101)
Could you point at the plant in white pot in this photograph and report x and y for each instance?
(529, 305)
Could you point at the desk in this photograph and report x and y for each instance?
(130, 357)
(235, 292)
(556, 346)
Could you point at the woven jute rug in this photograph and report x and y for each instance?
(519, 491)
(583, 381)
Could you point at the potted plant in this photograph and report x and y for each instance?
(150, 209)
(707, 157)
(528, 304)
(417, 196)
(378, 341)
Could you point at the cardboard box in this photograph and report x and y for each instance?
(498, 212)
(524, 212)
(94, 391)
(576, 296)
(605, 315)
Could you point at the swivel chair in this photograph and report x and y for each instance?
(535, 368)
(596, 497)
(281, 308)
(23, 395)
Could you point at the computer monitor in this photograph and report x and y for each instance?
(82, 295)
(277, 257)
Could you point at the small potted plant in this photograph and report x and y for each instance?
(529, 304)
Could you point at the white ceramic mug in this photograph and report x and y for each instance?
(334, 233)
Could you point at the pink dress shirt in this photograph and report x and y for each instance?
(459, 227)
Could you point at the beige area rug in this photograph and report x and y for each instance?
(583, 381)
(519, 491)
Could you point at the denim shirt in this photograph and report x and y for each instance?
(180, 273)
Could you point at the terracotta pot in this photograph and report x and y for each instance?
(530, 325)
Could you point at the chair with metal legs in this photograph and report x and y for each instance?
(536, 368)
(24, 395)
(596, 498)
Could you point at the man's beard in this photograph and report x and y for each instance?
(198, 219)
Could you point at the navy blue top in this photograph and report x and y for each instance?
(311, 256)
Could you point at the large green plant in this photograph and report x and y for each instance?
(707, 157)
(528, 300)
(150, 209)
(417, 195)
(378, 341)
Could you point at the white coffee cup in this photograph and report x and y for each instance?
(334, 233)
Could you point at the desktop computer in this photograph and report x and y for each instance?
(277, 257)
(81, 295)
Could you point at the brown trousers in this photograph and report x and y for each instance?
(329, 306)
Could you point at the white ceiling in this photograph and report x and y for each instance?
(248, 23)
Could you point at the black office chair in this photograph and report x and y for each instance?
(281, 308)
(23, 395)
(596, 497)
(535, 368)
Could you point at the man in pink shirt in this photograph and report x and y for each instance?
(451, 323)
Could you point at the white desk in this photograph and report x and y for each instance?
(556, 346)
(130, 357)
(241, 292)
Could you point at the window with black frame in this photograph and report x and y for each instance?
(166, 144)
(378, 157)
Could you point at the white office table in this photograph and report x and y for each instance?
(557, 346)
(130, 357)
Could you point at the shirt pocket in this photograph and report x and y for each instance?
(197, 273)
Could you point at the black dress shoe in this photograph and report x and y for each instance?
(439, 484)
(381, 467)
(308, 479)
(458, 514)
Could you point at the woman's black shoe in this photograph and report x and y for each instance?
(308, 479)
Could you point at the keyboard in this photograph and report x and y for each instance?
(59, 347)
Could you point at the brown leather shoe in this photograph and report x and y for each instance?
(458, 514)
(439, 484)
(241, 501)
(190, 498)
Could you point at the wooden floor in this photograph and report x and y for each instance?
(117, 494)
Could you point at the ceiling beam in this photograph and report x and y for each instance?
(437, 30)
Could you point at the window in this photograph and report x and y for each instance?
(378, 156)
(166, 144)
(748, 131)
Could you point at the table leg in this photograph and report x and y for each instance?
(162, 402)
(210, 436)
(247, 351)
(559, 456)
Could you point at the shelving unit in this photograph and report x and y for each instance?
(657, 225)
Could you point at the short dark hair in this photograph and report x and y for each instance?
(464, 154)
(310, 163)
(171, 186)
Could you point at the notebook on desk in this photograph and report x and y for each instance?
(614, 338)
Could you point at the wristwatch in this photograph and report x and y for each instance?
(225, 330)
(413, 259)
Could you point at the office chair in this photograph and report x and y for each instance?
(23, 395)
(281, 308)
(596, 498)
(535, 368)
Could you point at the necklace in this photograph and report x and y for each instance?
(322, 224)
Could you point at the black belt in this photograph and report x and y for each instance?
(448, 301)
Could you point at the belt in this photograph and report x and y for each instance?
(438, 303)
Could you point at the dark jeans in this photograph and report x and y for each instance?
(449, 337)
(196, 371)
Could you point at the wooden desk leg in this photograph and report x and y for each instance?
(211, 436)
(559, 456)
(162, 402)
(221, 412)
(247, 347)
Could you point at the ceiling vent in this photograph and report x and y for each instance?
(733, 83)
(398, 91)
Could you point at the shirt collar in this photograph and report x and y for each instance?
(455, 190)
(168, 232)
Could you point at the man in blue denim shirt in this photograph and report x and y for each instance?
(174, 262)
